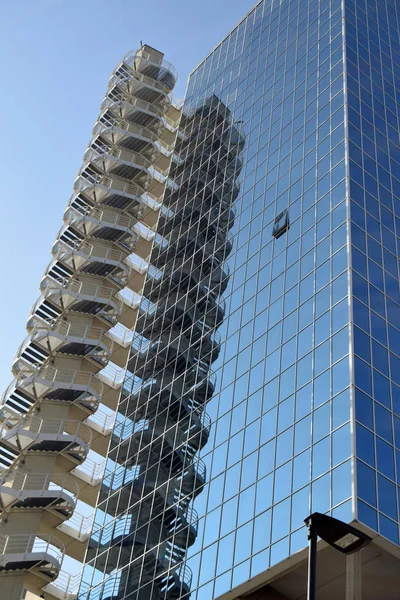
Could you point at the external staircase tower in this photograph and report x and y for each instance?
(69, 370)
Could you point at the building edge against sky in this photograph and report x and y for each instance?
(280, 229)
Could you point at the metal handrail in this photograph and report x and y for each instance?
(95, 251)
(70, 377)
(189, 196)
(172, 185)
(141, 54)
(115, 528)
(173, 123)
(215, 337)
(3, 401)
(177, 159)
(185, 574)
(133, 189)
(166, 149)
(158, 174)
(126, 77)
(92, 469)
(219, 240)
(120, 334)
(144, 132)
(147, 306)
(103, 419)
(37, 426)
(115, 184)
(40, 482)
(232, 137)
(54, 288)
(110, 217)
(191, 515)
(140, 344)
(96, 292)
(93, 153)
(151, 308)
(66, 582)
(110, 103)
(205, 420)
(80, 523)
(87, 333)
(174, 436)
(129, 297)
(221, 304)
(200, 468)
(114, 375)
(176, 102)
(210, 376)
(156, 273)
(225, 164)
(21, 543)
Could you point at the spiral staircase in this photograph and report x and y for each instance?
(162, 422)
(69, 370)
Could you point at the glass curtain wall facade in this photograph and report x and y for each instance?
(289, 141)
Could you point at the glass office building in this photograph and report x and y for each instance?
(264, 378)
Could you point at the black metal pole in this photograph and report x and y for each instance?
(312, 562)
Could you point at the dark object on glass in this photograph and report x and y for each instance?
(339, 535)
(281, 224)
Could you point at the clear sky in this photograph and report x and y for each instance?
(55, 60)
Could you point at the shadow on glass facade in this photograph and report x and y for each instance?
(145, 520)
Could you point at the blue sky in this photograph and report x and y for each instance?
(55, 60)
